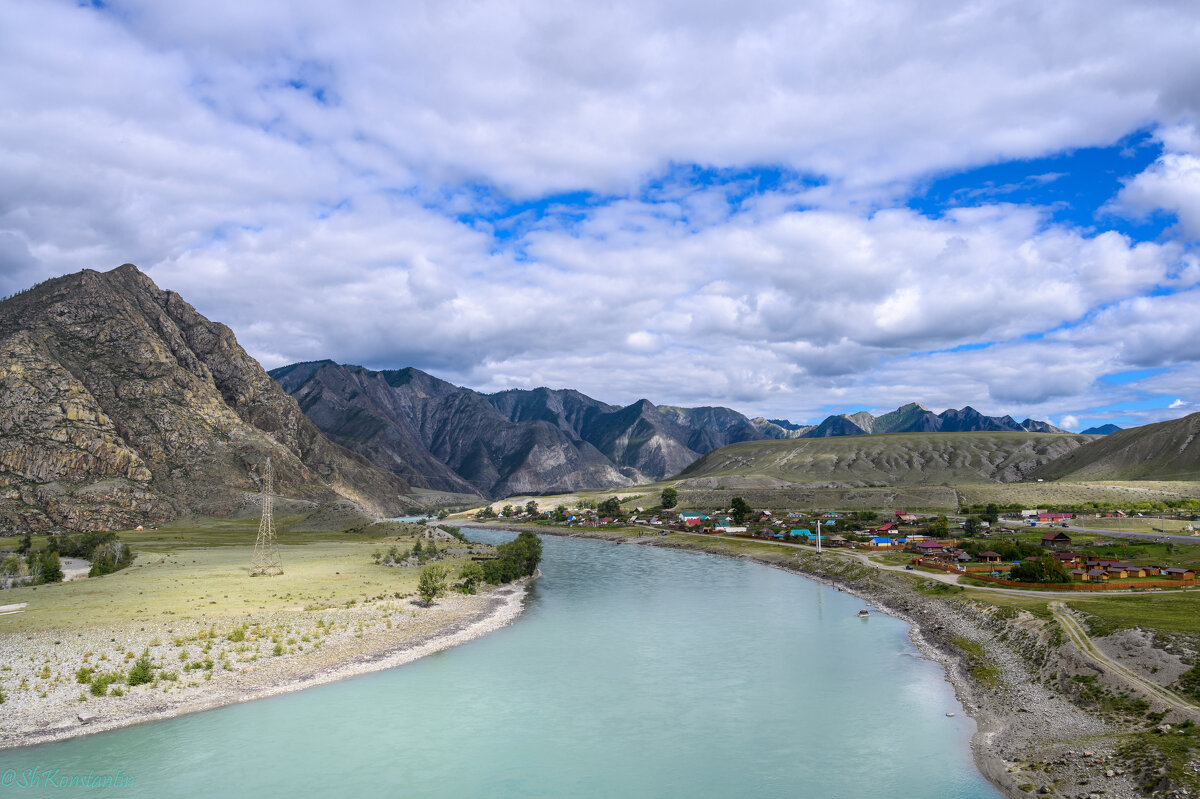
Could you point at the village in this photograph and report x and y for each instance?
(1024, 548)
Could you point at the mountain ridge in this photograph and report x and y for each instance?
(1161, 451)
(438, 435)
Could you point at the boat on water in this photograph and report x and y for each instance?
(862, 614)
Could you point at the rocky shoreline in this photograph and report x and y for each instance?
(352, 641)
(1030, 739)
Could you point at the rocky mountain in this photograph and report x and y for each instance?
(1102, 430)
(1162, 451)
(914, 418)
(120, 404)
(438, 435)
(779, 428)
(517, 441)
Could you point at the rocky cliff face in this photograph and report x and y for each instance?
(120, 404)
(438, 435)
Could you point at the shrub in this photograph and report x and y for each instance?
(142, 671)
(470, 577)
(100, 683)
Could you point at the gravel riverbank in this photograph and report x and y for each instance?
(201, 666)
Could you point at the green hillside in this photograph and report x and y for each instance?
(897, 459)
(1162, 451)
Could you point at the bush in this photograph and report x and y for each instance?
(84, 675)
(1042, 570)
(142, 671)
(100, 683)
(470, 577)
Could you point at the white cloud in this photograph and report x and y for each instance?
(297, 170)
(1170, 184)
(1177, 403)
(1069, 423)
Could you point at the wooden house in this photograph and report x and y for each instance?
(1056, 539)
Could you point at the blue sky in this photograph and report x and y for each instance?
(787, 210)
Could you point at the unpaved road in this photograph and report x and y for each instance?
(1152, 691)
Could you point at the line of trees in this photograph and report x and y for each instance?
(515, 559)
(107, 552)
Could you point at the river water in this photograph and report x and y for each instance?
(633, 672)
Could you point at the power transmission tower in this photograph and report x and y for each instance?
(266, 554)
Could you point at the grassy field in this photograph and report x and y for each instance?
(203, 572)
(1139, 525)
(1061, 494)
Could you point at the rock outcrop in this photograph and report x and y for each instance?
(120, 404)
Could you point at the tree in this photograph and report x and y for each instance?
(939, 527)
(972, 525)
(739, 509)
(560, 512)
(488, 513)
(25, 545)
(670, 498)
(514, 559)
(432, 583)
(991, 514)
(443, 514)
(470, 577)
(610, 506)
(531, 508)
(1040, 570)
(508, 511)
(51, 571)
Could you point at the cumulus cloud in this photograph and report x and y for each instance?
(385, 185)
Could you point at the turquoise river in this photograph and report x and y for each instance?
(634, 672)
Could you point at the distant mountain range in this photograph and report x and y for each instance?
(1102, 430)
(914, 418)
(437, 435)
(440, 436)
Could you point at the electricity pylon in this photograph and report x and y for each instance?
(266, 554)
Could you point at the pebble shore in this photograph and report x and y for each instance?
(200, 666)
